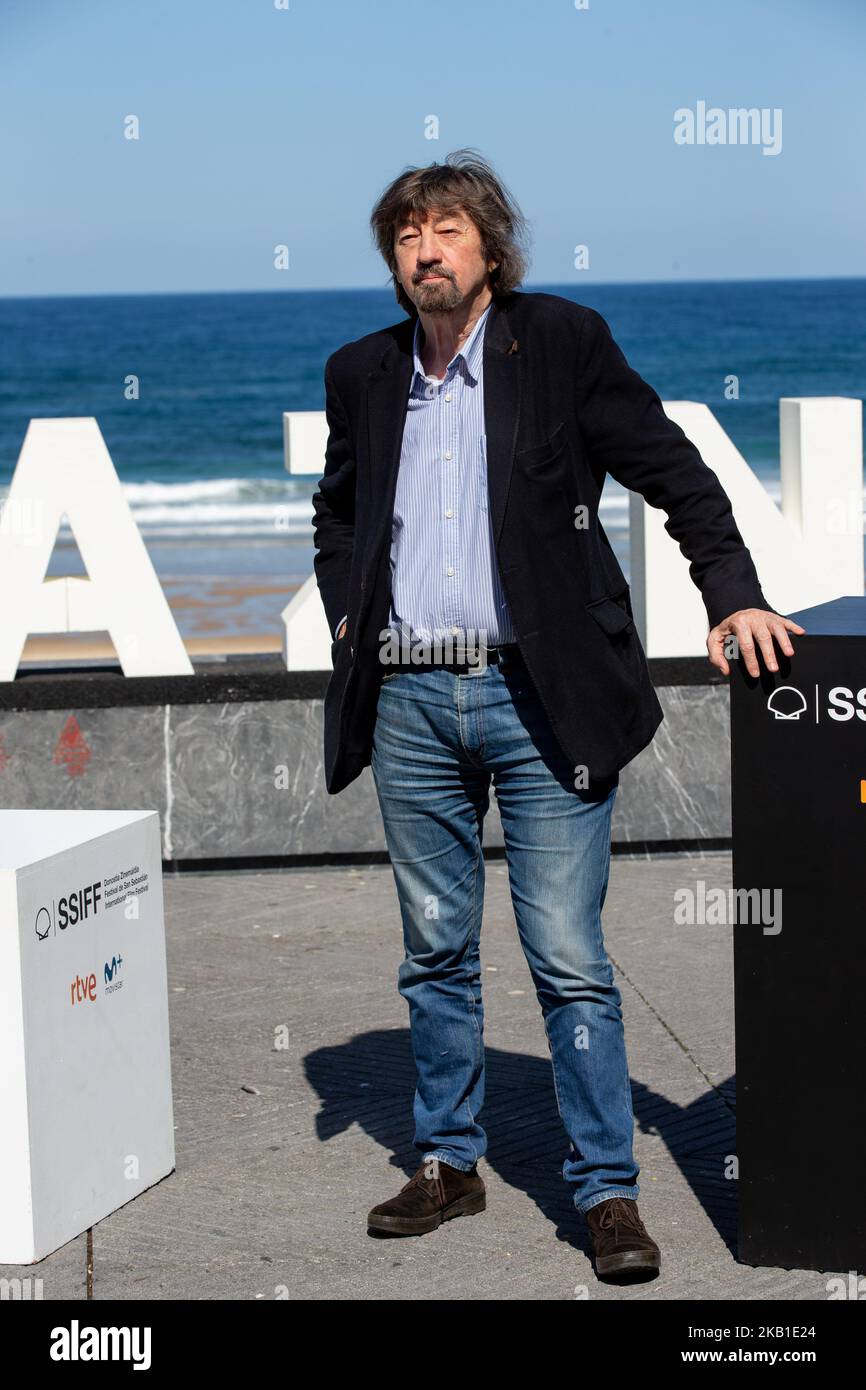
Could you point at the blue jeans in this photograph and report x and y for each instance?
(439, 738)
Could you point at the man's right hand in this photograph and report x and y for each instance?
(342, 632)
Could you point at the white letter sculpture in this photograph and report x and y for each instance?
(65, 469)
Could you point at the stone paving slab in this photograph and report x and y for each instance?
(284, 982)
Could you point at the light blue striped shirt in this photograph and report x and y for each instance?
(444, 575)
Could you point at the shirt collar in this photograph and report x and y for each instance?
(471, 351)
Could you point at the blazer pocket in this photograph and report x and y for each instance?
(611, 615)
(538, 455)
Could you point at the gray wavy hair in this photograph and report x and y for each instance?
(465, 181)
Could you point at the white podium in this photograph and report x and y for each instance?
(85, 1070)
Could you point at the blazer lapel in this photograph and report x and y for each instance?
(501, 409)
(387, 398)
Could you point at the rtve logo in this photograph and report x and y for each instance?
(82, 989)
(74, 907)
(843, 704)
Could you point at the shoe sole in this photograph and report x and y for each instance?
(419, 1225)
(628, 1261)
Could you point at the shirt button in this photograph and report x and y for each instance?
(455, 631)
(450, 569)
(448, 455)
(447, 395)
(449, 512)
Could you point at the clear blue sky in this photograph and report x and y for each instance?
(262, 126)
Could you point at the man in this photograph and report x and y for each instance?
(467, 450)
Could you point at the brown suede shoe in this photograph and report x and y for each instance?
(436, 1193)
(620, 1241)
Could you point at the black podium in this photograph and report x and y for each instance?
(798, 769)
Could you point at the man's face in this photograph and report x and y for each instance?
(440, 262)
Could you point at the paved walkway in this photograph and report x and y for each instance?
(293, 1082)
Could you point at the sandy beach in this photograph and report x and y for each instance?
(226, 597)
(217, 617)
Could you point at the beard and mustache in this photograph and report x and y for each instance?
(437, 296)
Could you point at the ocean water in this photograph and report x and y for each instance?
(200, 454)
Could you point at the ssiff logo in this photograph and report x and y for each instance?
(786, 702)
(843, 703)
(68, 910)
